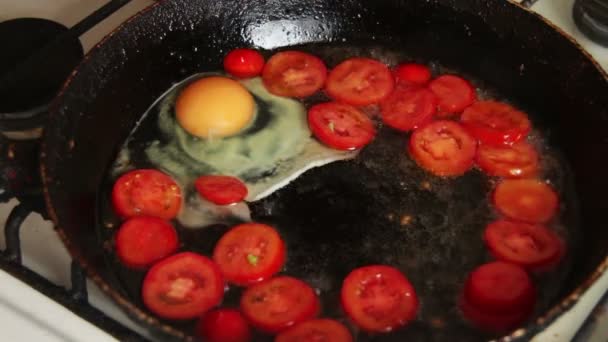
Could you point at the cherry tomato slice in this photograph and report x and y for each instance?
(443, 148)
(360, 82)
(223, 325)
(276, 304)
(249, 253)
(516, 161)
(143, 240)
(532, 246)
(407, 109)
(527, 200)
(340, 126)
(496, 123)
(500, 288)
(492, 322)
(221, 190)
(146, 192)
(379, 298)
(454, 94)
(412, 74)
(244, 63)
(182, 286)
(316, 330)
(294, 74)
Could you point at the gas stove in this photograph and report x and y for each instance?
(51, 300)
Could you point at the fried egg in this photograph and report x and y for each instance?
(272, 149)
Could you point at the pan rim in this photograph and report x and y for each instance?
(523, 332)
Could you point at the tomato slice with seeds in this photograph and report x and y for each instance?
(527, 200)
(221, 190)
(146, 192)
(360, 82)
(519, 160)
(379, 298)
(532, 246)
(407, 109)
(143, 240)
(453, 93)
(316, 330)
(244, 63)
(496, 123)
(500, 288)
(412, 74)
(249, 253)
(182, 286)
(294, 74)
(223, 325)
(492, 322)
(443, 148)
(276, 304)
(340, 126)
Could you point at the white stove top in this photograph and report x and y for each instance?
(27, 315)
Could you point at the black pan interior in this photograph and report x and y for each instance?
(528, 63)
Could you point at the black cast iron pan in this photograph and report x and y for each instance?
(498, 44)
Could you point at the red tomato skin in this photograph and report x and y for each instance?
(409, 108)
(412, 74)
(316, 330)
(482, 119)
(221, 190)
(500, 288)
(223, 325)
(306, 302)
(140, 192)
(342, 89)
(454, 94)
(143, 240)
(519, 160)
(282, 70)
(504, 238)
(513, 197)
(492, 322)
(352, 288)
(358, 129)
(154, 289)
(244, 63)
(451, 164)
(248, 231)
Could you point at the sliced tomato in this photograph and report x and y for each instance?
(500, 288)
(294, 74)
(379, 298)
(496, 123)
(249, 253)
(223, 325)
(360, 82)
(443, 148)
(316, 330)
(143, 240)
(408, 108)
(276, 304)
(182, 286)
(453, 93)
(244, 63)
(412, 74)
(221, 190)
(340, 126)
(515, 161)
(146, 192)
(492, 322)
(532, 246)
(527, 200)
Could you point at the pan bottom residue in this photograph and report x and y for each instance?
(378, 208)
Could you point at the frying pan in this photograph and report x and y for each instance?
(496, 43)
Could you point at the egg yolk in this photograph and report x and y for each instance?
(214, 107)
